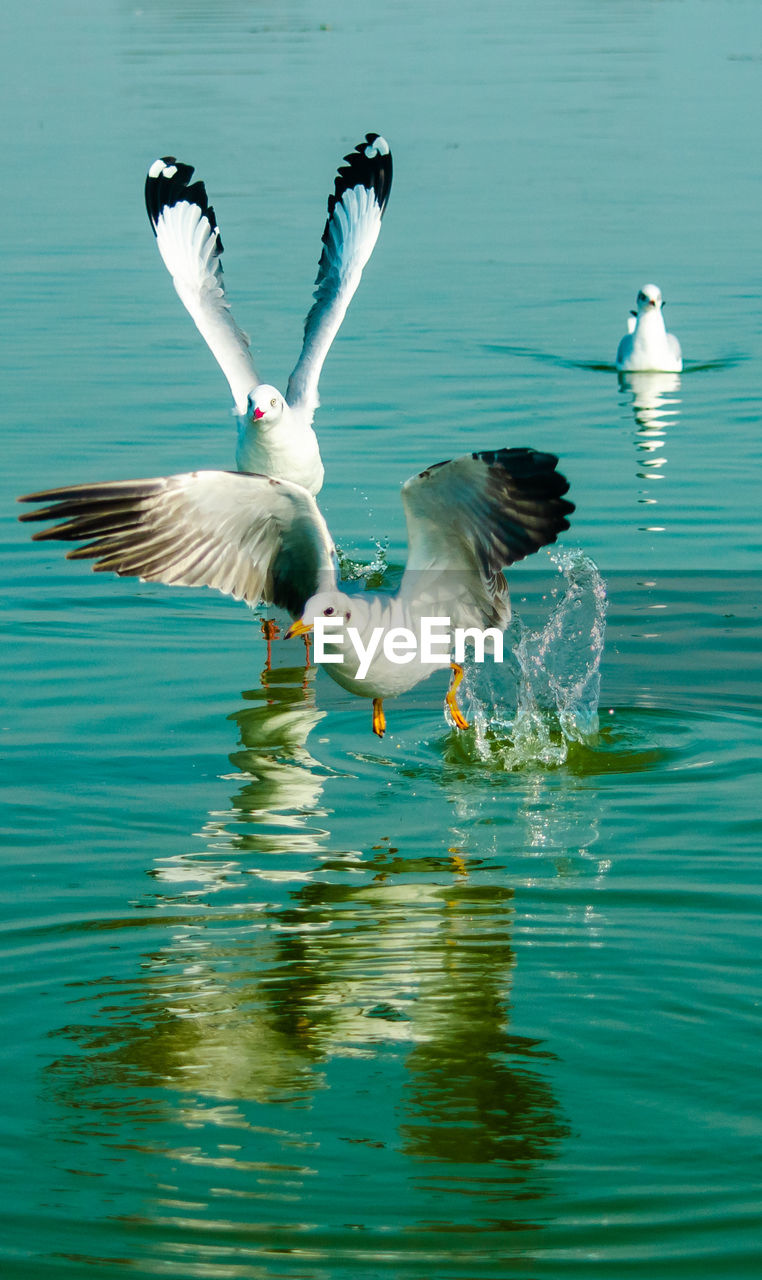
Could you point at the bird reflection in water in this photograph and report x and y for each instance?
(276, 811)
(281, 781)
(314, 972)
(654, 400)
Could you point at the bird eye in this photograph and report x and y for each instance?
(273, 402)
(329, 611)
(348, 615)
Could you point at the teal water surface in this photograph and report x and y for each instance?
(280, 999)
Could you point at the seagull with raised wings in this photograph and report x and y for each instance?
(275, 435)
(258, 538)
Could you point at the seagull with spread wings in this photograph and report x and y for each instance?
(257, 538)
(275, 435)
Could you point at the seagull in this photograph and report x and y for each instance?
(647, 347)
(275, 435)
(255, 537)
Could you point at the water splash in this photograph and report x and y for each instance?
(372, 574)
(544, 697)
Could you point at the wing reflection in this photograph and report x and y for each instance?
(475, 1093)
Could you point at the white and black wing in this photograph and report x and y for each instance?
(190, 244)
(470, 518)
(355, 210)
(249, 536)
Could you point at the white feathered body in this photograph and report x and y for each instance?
(647, 347)
(287, 450)
(385, 678)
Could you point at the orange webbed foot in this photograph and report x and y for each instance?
(451, 700)
(379, 719)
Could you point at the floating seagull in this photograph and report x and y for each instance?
(258, 538)
(275, 433)
(647, 347)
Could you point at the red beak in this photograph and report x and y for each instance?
(258, 413)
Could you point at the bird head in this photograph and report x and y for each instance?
(266, 406)
(326, 604)
(649, 299)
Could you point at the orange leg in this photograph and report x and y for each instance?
(455, 711)
(457, 862)
(270, 631)
(379, 719)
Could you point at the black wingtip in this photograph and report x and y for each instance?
(370, 166)
(535, 474)
(523, 463)
(168, 182)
